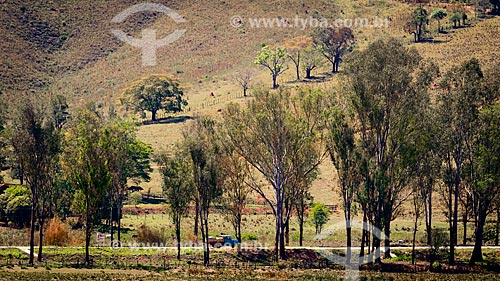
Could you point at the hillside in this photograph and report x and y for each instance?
(67, 47)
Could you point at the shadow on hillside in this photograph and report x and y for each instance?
(167, 120)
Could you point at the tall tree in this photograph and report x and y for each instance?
(274, 60)
(486, 177)
(458, 113)
(386, 101)
(36, 146)
(128, 160)
(177, 189)
(85, 165)
(235, 172)
(153, 93)
(333, 44)
(273, 134)
(204, 150)
(345, 158)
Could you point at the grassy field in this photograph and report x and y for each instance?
(221, 274)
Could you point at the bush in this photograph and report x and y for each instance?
(248, 237)
(15, 205)
(57, 233)
(146, 234)
(135, 198)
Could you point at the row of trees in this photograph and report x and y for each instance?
(306, 51)
(388, 138)
(83, 162)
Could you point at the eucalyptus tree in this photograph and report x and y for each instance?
(36, 145)
(486, 186)
(177, 188)
(387, 87)
(203, 148)
(345, 156)
(275, 134)
(85, 165)
(458, 105)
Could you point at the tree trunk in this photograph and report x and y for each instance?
(428, 219)
(297, 70)
(111, 222)
(477, 253)
(464, 221)
(275, 85)
(238, 232)
(349, 239)
(178, 236)
(119, 219)
(153, 115)
(455, 215)
(32, 227)
(87, 230)
(308, 73)
(387, 240)
(497, 234)
(415, 225)
(196, 218)
(364, 235)
(301, 221)
(40, 233)
(40, 240)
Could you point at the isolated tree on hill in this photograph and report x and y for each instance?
(417, 24)
(319, 216)
(85, 166)
(455, 19)
(273, 134)
(36, 145)
(177, 189)
(294, 47)
(244, 78)
(274, 60)
(333, 44)
(439, 15)
(311, 58)
(153, 93)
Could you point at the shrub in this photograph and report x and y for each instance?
(248, 237)
(57, 233)
(146, 234)
(135, 198)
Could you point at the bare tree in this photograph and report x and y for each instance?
(244, 79)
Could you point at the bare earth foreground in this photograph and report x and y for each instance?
(17, 273)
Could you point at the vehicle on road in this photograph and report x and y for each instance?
(222, 241)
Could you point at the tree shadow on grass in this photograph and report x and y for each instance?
(168, 120)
